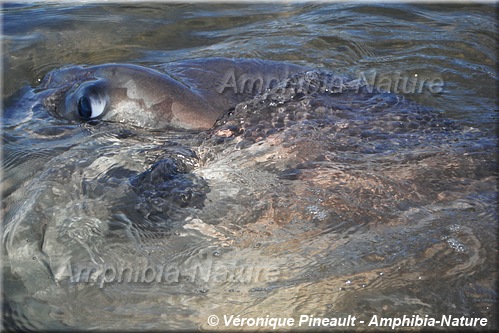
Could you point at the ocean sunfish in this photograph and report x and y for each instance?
(189, 94)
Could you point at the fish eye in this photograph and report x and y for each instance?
(92, 102)
(85, 107)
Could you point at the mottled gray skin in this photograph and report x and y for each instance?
(188, 94)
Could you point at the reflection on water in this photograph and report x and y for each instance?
(296, 203)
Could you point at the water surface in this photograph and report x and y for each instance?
(324, 205)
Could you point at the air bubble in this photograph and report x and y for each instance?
(456, 245)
